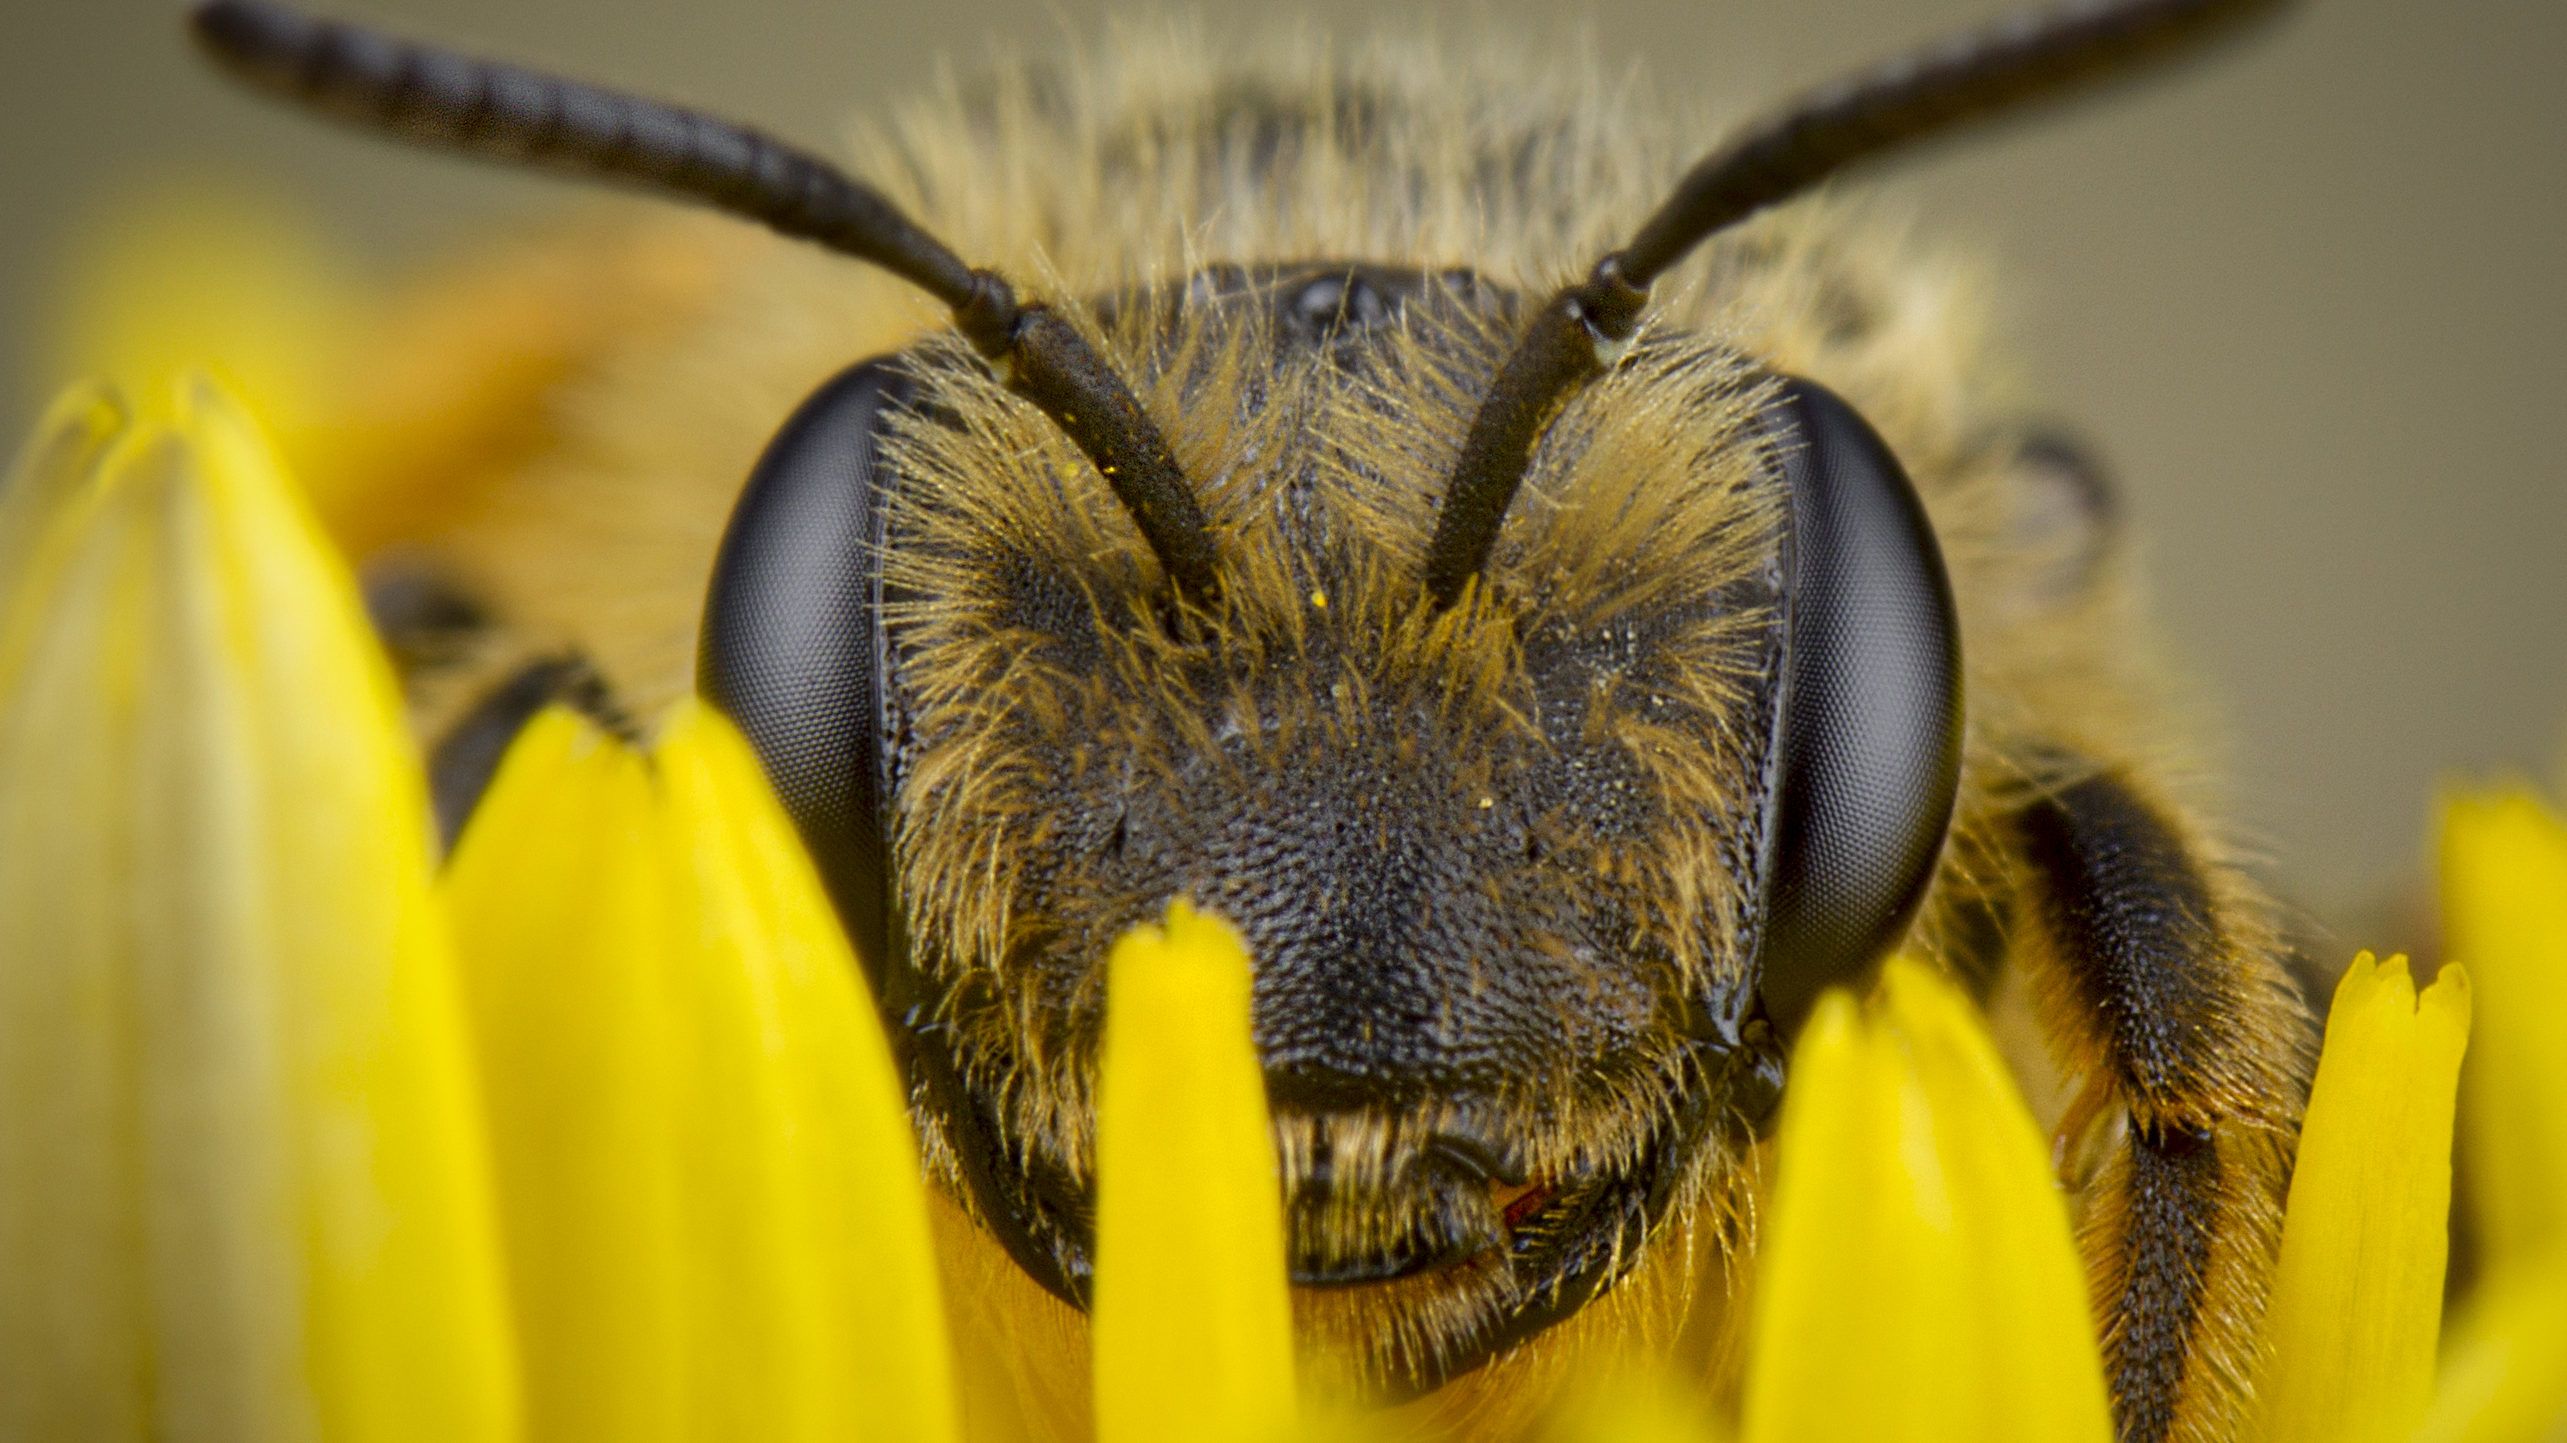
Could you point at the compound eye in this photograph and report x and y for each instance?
(1870, 749)
(791, 648)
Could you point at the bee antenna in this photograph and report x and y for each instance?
(2016, 62)
(502, 112)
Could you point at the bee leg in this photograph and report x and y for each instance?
(2067, 515)
(2160, 981)
(467, 756)
(427, 619)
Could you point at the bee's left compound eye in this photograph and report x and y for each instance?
(791, 643)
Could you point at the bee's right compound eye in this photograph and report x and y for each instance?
(792, 636)
(1870, 742)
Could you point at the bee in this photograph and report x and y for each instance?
(1320, 504)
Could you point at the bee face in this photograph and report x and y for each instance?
(1506, 868)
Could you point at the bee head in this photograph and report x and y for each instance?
(1516, 871)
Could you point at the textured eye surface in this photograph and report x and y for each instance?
(791, 646)
(1871, 737)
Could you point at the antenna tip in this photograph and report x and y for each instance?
(256, 38)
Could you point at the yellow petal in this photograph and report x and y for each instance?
(240, 1194)
(1193, 1322)
(710, 1198)
(1635, 1406)
(1917, 1279)
(2356, 1310)
(2504, 889)
(49, 484)
(2504, 1376)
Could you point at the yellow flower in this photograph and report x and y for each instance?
(242, 1193)
(1193, 1329)
(599, 1135)
(600, 1139)
(1917, 1279)
(708, 1197)
(2357, 1301)
(249, 1187)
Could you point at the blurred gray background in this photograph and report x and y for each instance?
(2309, 299)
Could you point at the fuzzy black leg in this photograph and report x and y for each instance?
(2162, 986)
(467, 758)
(427, 617)
(2172, 1205)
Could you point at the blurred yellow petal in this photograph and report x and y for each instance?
(2504, 900)
(1635, 1406)
(219, 276)
(2356, 1309)
(1917, 1279)
(710, 1198)
(240, 1193)
(1193, 1324)
(48, 485)
(2504, 1374)
(2504, 890)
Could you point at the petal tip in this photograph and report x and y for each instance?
(90, 407)
(2450, 998)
